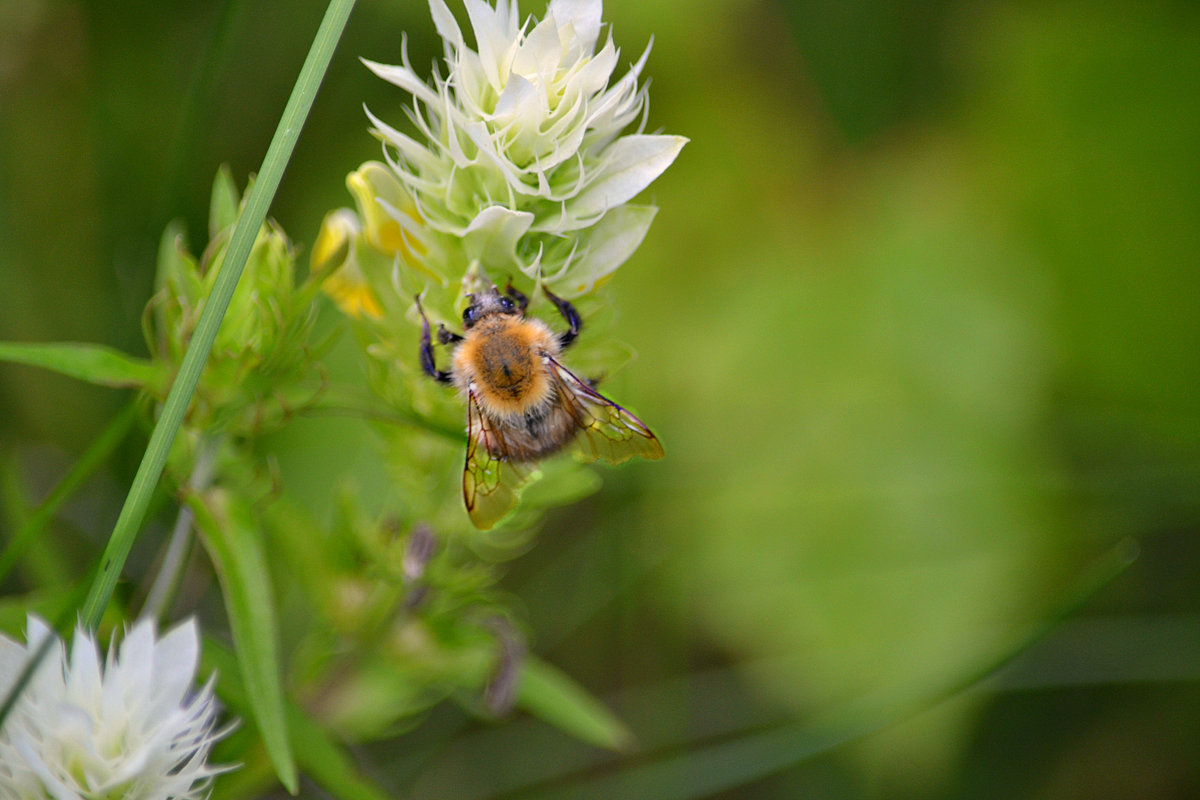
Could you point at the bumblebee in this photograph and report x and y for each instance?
(522, 403)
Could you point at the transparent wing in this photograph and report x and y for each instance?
(607, 431)
(490, 481)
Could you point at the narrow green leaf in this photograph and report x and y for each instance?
(93, 457)
(259, 200)
(93, 363)
(322, 759)
(548, 693)
(704, 771)
(234, 543)
(327, 763)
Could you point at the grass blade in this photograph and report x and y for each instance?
(323, 759)
(259, 200)
(548, 693)
(235, 545)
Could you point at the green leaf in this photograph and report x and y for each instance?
(321, 757)
(548, 693)
(327, 763)
(173, 257)
(93, 363)
(235, 546)
(223, 207)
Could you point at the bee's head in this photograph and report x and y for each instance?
(485, 304)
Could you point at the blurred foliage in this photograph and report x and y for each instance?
(916, 324)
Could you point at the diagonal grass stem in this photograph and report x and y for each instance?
(133, 512)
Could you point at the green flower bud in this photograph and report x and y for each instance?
(259, 369)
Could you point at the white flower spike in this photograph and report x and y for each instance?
(132, 729)
(522, 148)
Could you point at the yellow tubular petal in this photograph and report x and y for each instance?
(332, 246)
(376, 190)
(353, 298)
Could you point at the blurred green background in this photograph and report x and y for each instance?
(917, 323)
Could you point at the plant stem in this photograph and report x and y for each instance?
(278, 153)
(88, 462)
(169, 572)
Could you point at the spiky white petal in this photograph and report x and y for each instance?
(133, 729)
(529, 121)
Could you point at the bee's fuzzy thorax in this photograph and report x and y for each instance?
(502, 361)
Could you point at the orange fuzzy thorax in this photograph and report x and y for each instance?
(502, 361)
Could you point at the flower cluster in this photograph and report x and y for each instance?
(520, 165)
(263, 367)
(130, 728)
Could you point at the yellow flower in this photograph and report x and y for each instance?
(389, 216)
(334, 254)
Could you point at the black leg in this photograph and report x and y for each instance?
(427, 361)
(569, 314)
(446, 336)
(520, 299)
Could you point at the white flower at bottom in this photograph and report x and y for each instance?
(130, 729)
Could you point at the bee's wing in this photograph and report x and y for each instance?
(607, 430)
(490, 482)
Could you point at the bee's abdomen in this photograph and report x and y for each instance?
(539, 432)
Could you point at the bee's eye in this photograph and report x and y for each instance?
(469, 314)
(506, 304)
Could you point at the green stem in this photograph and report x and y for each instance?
(93, 457)
(170, 572)
(257, 204)
(377, 412)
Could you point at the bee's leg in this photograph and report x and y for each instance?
(520, 299)
(427, 361)
(569, 314)
(446, 336)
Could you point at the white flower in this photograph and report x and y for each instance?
(523, 157)
(132, 729)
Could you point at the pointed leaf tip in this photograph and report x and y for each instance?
(92, 363)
